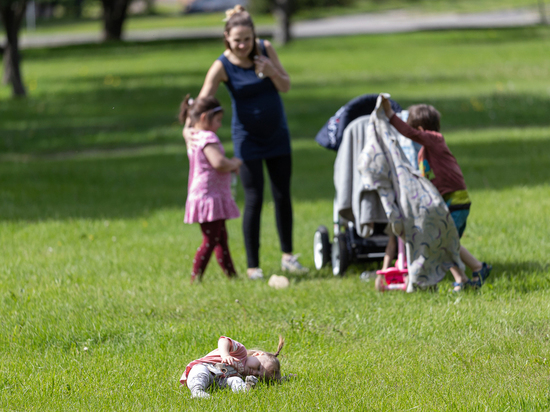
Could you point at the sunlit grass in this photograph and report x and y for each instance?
(95, 305)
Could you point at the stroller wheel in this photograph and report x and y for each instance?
(340, 255)
(321, 247)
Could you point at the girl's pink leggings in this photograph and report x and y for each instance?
(214, 238)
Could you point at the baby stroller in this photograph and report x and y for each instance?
(348, 247)
(352, 243)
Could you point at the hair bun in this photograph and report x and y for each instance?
(235, 10)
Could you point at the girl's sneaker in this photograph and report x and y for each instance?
(291, 264)
(256, 274)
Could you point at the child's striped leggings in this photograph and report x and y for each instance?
(214, 239)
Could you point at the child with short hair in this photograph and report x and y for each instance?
(209, 201)
(437, 163)
(232, 365)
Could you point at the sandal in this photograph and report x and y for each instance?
(460, 286)
(481, 275)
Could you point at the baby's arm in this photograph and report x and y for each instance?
(219, 161)
(224, 346)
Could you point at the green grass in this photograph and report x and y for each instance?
(104, 96)
(95, 307)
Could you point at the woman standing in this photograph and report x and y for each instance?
(254, 76)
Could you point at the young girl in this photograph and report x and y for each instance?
(238, 363)
(209, 200)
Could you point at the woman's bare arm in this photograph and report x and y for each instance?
(272, 68)
(215, 75)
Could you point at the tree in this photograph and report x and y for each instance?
(284, 9)
(114, 15)
(542, 11)
(12, 12)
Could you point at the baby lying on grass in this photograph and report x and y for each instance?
(231, 365)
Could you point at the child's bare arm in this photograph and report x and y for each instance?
(224, 346)
(219, 161)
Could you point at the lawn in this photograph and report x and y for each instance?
(96, 310)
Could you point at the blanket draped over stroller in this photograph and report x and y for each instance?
(352, 201)
(413, 206)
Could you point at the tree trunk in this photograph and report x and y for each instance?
(282, 17)
(78, 8)
(150, 7)
(114, 14)
(12, 14)
(542, 11)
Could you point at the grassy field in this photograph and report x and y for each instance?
(95, 307)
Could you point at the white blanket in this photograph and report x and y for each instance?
(412, 204)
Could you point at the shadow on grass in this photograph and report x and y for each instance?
(104, 111)
(106, 117)
(93, 188)
(520, 276)
(109, 117)
(139, 183)
(100, 50)
(306, 115)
